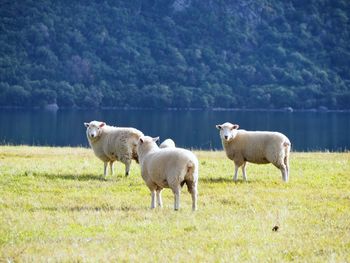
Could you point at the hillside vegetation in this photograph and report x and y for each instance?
(175, 53)
(55, 206)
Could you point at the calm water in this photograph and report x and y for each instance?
(308, 131)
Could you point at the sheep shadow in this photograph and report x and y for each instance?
(218, 180)
(73, 177)
(85, 208)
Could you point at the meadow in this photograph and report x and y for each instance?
(55, 206)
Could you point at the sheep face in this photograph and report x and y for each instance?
(93, 129)
(228, 131)
(145, 144)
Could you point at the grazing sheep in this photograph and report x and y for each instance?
(256, 147)
(113, 144)
(167, 168)
(167, 143)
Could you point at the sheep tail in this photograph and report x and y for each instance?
(189, 177)
(190, 169)
(287, 145)
(135, 156)
(134, 139)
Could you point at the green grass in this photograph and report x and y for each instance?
(55, 206)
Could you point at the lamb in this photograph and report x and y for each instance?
(258, 147)
(167, 168)
(113, 144)
(167, 143)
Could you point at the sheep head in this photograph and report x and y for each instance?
(228, 131)
(94, 129)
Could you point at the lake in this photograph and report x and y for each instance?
(308, 131)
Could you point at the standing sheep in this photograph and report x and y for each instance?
(113, 144)
(167, 168)
(167, 143)
(256, 147)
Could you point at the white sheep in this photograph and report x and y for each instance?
(113, 144)
(167, 168)
(167, 143)
(258, 147)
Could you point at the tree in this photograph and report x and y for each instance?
(181, 53)
(16, 95)
(182, 97)
(43, 97)
(156, 96)
(65, 94)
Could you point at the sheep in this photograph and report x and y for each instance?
(167, 168)
(167, 143)
(113, 144)
(260, 147)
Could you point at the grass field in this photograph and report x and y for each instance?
(55, 206)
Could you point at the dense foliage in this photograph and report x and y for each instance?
(175, 53)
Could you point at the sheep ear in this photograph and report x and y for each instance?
(155, 139)
(218, 127)
(235, 127)
(102, 124)
(86, 124)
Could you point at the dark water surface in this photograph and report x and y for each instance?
(308, 131)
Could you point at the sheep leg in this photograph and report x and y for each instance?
(111, 166)
(127, 167)
(159, 198)
(194, 197)
(283, 168)
(284, 172)
(153, 199)
(105, 169)
(177, 198)
(236, 173)
(192, 188)
(286, 162)
(244, 171)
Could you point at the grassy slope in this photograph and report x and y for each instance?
(54, 204)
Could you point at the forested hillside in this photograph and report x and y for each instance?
(175, 53)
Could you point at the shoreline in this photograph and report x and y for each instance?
(287, 109)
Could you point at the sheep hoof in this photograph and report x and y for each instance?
(126, 174)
